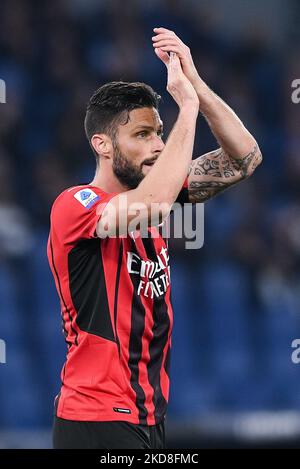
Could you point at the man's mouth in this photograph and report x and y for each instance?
(150, 163)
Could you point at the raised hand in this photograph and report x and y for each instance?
(178, 84)
(166, 41)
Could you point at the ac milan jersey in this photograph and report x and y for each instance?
(116, 312)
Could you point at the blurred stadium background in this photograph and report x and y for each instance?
(236, 300)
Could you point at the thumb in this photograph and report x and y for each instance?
(174, 61)
(174, 65)
(162, 55)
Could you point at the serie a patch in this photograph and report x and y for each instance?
(86, 197)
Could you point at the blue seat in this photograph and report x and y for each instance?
(22, 403)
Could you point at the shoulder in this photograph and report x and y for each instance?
(76, 212)
(82, 197)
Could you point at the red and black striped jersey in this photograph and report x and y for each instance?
(116, 312)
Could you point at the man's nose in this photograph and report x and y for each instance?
(158, 145)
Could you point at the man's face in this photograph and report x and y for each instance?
(138, 145)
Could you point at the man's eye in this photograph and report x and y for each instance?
(145, 133)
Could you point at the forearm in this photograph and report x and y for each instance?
(228, 129)
(236, 159)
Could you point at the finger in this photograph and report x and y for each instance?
(166, 34)
(163, 56)
(162, 36)
(165, 43)
(163, 30)
(171, 48)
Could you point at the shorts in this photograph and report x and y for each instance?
(106, 435)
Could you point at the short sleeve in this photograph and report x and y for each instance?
(76, 212)
(183, 196)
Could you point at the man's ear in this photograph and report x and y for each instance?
(102, 144)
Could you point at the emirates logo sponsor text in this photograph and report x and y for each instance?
(154, 276)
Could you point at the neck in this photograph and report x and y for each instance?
(107, 181)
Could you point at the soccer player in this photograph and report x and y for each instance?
(114, 283)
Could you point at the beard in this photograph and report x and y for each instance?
(126, 172)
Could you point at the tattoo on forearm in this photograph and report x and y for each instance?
(201, 191)
(216, 165)
(206, 185)
(244, 164)
(199, 196)
(207, 169)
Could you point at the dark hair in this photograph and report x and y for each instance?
(110, 105)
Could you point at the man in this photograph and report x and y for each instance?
(113, 283)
